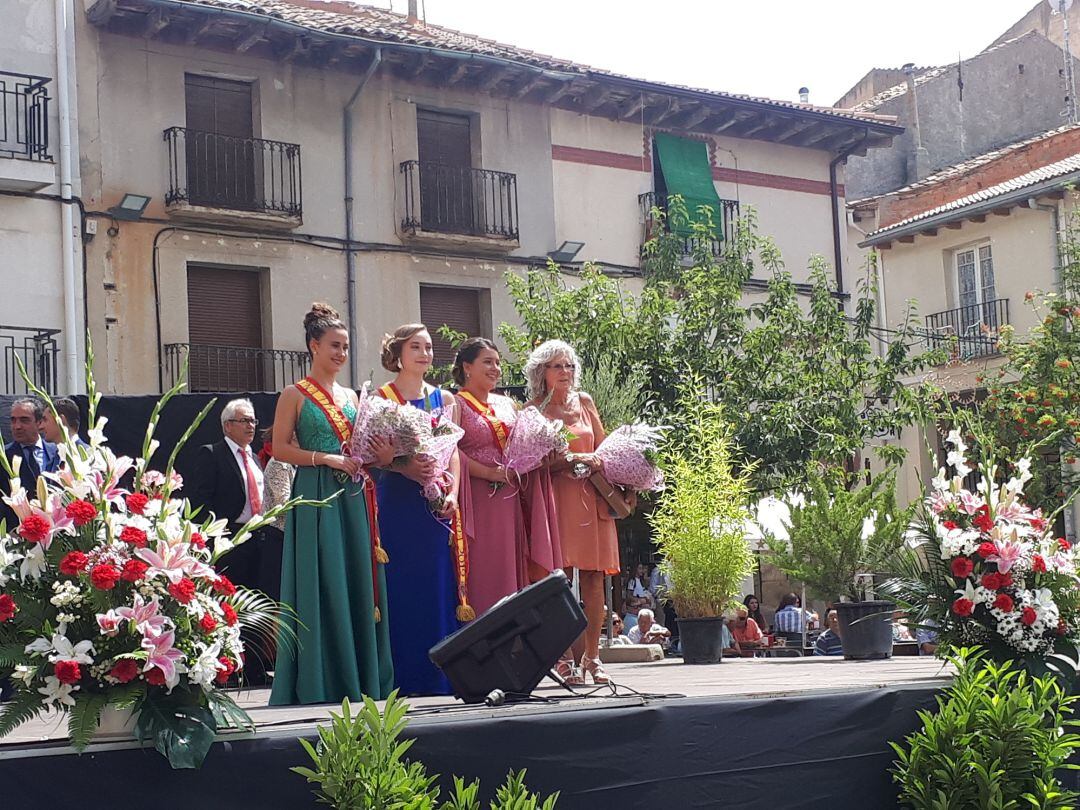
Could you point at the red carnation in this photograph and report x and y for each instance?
(73, 563)
(224, 585)
(1062, 628)
(1065, 544)
(155, 677)
(198, 540)
(982, 520)
(136, 503)
(962, 567)
(1038, 524)
(224, 674)
(81, 512)
(1038, 564)
(1006, 580)
(182, 591)
(1028, 616)
(963, 607)
(7, 607)
(104, 576)
(134, 570)
(68, 671)
(125, 670)
(134, 536)
(986, 550)
(1004, 602)
(992, 581)
(207, 623)
(949, 524)
(34, 528)
(230, 614)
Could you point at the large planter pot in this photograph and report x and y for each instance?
(701, 639)
(866, 629)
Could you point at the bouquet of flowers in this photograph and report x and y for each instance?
(109, 598)
(986, 569)
(629, 457)
(532, 439)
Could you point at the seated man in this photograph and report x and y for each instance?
(729, 643)
(647, 631)
(746, 632)
(926, 635)
(829, 642)
(790, 618)
(70, 420)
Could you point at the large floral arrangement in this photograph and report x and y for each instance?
(987, 570)
(532, 439)
(109, 598)
(629, 457)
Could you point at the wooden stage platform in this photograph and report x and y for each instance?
(667, 735)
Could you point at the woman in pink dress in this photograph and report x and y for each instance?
(590, 544)
(509, 521)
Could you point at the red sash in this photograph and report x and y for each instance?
(486, 411)
(324, 401)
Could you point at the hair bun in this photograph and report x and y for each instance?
(320, 312)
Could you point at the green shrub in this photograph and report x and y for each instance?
(995, 742)
(359, 764)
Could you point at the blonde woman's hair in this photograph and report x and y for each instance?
(536, 365)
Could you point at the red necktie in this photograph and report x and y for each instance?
(254, 496)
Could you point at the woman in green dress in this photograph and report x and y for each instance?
(330, 568)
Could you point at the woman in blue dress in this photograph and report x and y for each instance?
(421, 581)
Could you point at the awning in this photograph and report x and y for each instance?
(685, 164)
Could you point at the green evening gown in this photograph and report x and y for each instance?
(326, 575)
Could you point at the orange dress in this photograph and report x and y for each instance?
(586, 529)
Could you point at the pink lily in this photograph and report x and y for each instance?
(109, 623)
(162, 654)
(970, 502)
(146, 615)
(116, 468)
(1005, 554)
(174, 562)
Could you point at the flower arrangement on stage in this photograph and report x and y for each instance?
(532, 439)
(988, 571)
(109, 598)
(629, 455)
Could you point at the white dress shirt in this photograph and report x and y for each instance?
(246, 515)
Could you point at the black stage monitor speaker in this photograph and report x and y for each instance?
(512, 646)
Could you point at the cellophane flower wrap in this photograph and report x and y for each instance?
(629, 457)
(532, 438)
(992, 573)
(109, 597)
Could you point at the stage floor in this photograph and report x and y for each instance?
(636, 684)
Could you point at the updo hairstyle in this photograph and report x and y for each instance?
(320, 318)
(467, 353)
(393, 344)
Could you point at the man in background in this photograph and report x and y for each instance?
(34, 453)
(70, 420)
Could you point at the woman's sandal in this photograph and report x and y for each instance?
(595, 670)
(566, 670)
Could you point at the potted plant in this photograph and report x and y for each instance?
(839, 535)
(699, 527)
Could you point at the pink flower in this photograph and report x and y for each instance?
(1005, 554)
(162, 655)
(970, 502)
(146, 615)
(174, 562)
(109, 623)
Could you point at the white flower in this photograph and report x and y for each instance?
(958, 461)
(97, 434)
(7, 558)
(956, 440)
(39, 646)
(940, 482)
(64, 650)
(24, 673)
(56, 692)
(206, 666)
(33, 565)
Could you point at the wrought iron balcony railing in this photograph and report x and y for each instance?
(38, 349)
(459, 200)
(970, 331)
(729, 210)
(234, 368)
(243, 174)
(24, 116)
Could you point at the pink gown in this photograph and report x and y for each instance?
(508, 527)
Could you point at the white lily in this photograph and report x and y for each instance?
(64, 650)
(33, 564)
(56, 692)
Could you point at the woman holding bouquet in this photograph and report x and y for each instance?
(329, 570)
(509, 518)
(423, 589)
(589, 541)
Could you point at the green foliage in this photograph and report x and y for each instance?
(181, 726)
(801, 381)
(618, 398)
(359, 764)
(995, 742)
(827, 548)
(698, 523)
(83, 718)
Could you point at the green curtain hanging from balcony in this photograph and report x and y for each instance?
(685, 164)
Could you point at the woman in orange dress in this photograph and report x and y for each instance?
(590, 544)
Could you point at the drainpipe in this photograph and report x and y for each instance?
(1035, 205)
(834, 198)
(65, 40)
(350, 252)
(919, 158)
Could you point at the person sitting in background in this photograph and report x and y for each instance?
(647, 631)
(753, 611)
(637, 594)
(926, 635)
(829, 642)
(35, 454)
(746, 632)
(617, 635)
(790, 618)
(70, 421)
(900, 631)
(729, 643)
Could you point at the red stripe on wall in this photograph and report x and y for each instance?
(638, 163)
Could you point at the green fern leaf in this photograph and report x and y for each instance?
(22, 707)
(84, 717)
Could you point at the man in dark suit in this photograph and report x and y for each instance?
(34, 453)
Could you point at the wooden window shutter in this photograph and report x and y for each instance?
(456, 307)
(443, 138)
(225, 329)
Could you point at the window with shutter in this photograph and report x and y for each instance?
(444, 150)
(456, 307)
(218, 142)
(225, 329)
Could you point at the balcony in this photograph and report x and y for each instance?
(38, 349)
(225, 369)
(25, 162)
(446, 204)
(242, 181)
(968, 332)
(729, 210)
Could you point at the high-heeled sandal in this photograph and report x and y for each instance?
(595, 670)
(570, 674)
